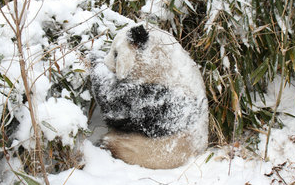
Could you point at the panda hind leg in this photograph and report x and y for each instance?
(155, 153)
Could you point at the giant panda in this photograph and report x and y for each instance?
(152, 97)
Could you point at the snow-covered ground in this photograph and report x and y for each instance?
(212, 167)
(61, 116)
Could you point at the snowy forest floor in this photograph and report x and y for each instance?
(212, 167)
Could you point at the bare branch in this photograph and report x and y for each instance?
(8, 22)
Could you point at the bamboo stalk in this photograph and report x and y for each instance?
(282, 47)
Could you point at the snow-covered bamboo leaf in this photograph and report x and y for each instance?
(47, 125)
(189, 5)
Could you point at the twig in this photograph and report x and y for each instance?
(278, 174)
(70, 174)
(6, 19)
(148, 178)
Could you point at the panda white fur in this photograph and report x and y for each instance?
(153, 98)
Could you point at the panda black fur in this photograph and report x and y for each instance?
(153, 101)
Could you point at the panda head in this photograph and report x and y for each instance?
(125, 47)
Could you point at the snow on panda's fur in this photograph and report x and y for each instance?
(153, 98)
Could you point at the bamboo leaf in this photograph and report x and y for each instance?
(50, 127)
(171, 5)
(28, 179)
(209, 157)
(7, 80)
(121, 26)
(279, 7)
(259, 72)
(288, 114)
(17, 183)
(260, 28)
(79, 70)
(189, 5)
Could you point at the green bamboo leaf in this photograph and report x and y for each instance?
(28, 179)
(171, 6)
(260, 71)
(79, 70)
(279, 7)
(121, 26)
(209, 157)
(8, 81)
(288, 114)
(17, 183)
(270, 43)
(267, 113)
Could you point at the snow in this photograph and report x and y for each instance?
(281, 142)
(246, 167)
(101, 167)
(61, 116)
(64, 118)
(156, 7)
(86, 95)
(225, 60)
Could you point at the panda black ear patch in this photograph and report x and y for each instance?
(138, 36)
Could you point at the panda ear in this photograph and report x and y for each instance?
(138, 36)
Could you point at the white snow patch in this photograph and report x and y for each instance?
(281, 142)
(6, 175)
(160, 8)
(102, 168)
(61, 118)
(86, 95)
